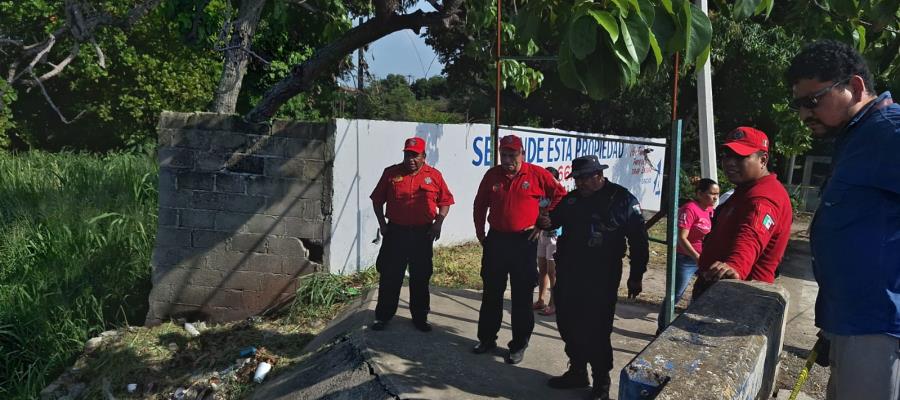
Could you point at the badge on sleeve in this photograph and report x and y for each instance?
(427, 180)
(397, 178)
(526, 185)
(768, 222)
(496, 187)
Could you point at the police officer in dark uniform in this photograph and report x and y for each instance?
(597, 218)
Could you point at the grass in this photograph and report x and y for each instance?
(77, 234)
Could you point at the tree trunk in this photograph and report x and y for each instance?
(236, 56)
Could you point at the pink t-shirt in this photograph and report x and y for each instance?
(699, 221)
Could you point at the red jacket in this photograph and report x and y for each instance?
(751, 230)
(412, 199)
(514, 202)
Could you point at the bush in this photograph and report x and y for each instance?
(77, 233)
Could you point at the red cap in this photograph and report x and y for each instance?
(511, 142)
(414, 144)
(746, 140)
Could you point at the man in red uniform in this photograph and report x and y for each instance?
(512, 191)
(417, 200)
(751, 231)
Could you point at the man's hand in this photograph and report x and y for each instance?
(435, 230)
(384, 229)
(480, 237)
(535, 234)
(635, 286)
(543, 220)
(719, 271)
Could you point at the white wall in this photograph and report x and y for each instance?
(363, 148)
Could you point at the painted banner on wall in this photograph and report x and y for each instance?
(462, 152)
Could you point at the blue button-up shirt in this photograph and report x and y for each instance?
(855, 235)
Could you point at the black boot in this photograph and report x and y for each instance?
(575, 377)
(600, 389)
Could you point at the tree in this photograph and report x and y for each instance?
(237, 54)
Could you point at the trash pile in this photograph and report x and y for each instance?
(252, 365)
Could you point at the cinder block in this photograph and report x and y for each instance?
(200, 219)
(245, 164)
(228, 183)
(210, 162)
(232, 142)
(249, 243)
(208, 239)
(284, 206)
(303, 228)
(314, 170)
(173, 276)
(242, 280)
(226, 298)
(172, 237)
(265, 186)
(228, 261)
(172, 157)
(191, 139)
(195, 181)
(297, 267)
(231, 222)
(264, 224)
(167, 216)
(229, 202)
(193, 295)
(297, 188)
(284, 167)
(164, 257)
(287, 247)
(206, 277)
(265, 263)
(306, 149)
(312, 210)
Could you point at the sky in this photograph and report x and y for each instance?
(402, 53)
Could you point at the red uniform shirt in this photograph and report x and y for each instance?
(515, 201)
(751, 230)
(412, 199)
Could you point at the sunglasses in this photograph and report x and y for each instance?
(811, 101)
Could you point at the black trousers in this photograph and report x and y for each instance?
(585, 297)
(508, 255)
(402, 246)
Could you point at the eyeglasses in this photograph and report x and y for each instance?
(811, 101)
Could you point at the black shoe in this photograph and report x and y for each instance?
(378, 325)
(423, 326)
(600, 390)
(516, 357)
(573, 378)
(483, 347)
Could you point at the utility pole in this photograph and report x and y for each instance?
(705, 116)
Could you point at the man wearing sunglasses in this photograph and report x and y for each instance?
(855, 235)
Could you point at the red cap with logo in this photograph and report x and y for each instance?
(414, 144)
(511, 142)
(745, 141)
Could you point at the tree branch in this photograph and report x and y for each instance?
(303, 76)
(52, 104)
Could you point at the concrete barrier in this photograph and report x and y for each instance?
(726, 345)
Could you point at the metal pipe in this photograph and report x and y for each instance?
(671, 221)
(495, 136)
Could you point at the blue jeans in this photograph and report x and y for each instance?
(685, 268)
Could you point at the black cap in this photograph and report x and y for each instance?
(586, 165)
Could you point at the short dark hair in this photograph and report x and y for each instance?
(829, 60)
(553, 172)
(704, 184)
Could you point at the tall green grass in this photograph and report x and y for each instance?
(76, 233)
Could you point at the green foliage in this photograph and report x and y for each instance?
(319, 293)
(392, 98)
(78, 232)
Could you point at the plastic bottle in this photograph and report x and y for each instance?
(261, 370)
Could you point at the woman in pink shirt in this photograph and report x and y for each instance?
(694, 222)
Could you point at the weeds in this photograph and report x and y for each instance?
(77, 233)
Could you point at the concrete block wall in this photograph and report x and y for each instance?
(244, 211)
(726, 345)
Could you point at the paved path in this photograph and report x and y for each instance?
(440, 365)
